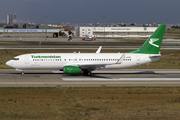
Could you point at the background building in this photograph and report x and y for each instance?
(9, 19)
(115, 31)
(29, 33)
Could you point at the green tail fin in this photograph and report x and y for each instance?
(153, 43)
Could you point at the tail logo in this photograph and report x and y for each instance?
(152, 40)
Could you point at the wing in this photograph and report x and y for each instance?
(92, 66)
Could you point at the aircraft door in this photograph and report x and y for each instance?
(26, 59)
(138, 60)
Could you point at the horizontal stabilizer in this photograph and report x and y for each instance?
(167, 55)
(159, 55)
(153, 56)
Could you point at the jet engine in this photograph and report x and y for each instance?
(71, 70)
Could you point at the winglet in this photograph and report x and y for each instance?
(99, 49)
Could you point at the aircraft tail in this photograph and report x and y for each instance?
(153, 43)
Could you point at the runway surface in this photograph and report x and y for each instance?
(102, 78)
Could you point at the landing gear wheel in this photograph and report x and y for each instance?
(85, 72)
(89, 73)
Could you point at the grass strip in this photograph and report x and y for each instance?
(90, 103)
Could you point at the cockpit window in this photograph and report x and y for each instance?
(15, 59)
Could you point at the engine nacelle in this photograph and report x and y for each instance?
(83, 39)
(71, 70)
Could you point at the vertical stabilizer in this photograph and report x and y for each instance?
(153, 43)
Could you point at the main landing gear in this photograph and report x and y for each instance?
(87, 72)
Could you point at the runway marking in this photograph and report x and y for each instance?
(121, 79)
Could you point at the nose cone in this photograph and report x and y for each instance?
(9, 63)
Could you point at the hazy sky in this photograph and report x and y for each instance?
(93, 11)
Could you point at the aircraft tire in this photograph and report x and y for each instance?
(89, 73)
(86, 72)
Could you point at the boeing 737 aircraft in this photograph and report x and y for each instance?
(75, 63)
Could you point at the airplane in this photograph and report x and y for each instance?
(88, 37)
(76, 63)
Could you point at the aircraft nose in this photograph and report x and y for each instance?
(9, 63)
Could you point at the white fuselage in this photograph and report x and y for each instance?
(44, 61)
